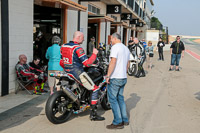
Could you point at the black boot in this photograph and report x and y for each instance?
(93, 114)
(143, 73)
(138, 74)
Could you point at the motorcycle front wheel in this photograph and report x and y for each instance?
(58, 108)
(132, 69)
(105, 104)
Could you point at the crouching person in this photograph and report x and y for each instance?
(29, 73)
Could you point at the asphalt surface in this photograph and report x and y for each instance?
(194, 46)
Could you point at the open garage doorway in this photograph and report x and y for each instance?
(47, 23)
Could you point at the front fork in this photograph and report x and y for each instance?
(103, 90)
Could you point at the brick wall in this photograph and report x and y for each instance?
(84, 25)
(72, 25)
(21, 34)
(0, 48)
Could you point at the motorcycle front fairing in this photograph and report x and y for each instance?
(94, 73)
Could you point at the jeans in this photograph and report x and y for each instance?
(116, 99)
(175, 58)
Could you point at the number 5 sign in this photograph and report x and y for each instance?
(114, 9)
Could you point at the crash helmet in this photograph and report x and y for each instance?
(39, 34)
(102, 45)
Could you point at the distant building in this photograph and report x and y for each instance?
(147, 6)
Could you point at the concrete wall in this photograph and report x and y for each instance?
(105, 32)
(128, 35)
(108, 31)
(152, 35)
(102, 32)
(20, 34)
(142, 35)
(72, 24)
(102, 6)
(0, 48)
(144, 29)
(72, 19)
(84, 25)
(120, 31)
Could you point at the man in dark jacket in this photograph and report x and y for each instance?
(29, 73)
(141, 56)
(176, 50)
(130, 43)
(160, 46)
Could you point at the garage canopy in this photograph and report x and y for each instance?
(61, 4)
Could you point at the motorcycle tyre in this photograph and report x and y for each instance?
(104, 103)
(134, 72)
(49, 108)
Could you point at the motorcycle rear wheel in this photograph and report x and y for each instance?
(57, 108)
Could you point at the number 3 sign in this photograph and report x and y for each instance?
(114, 9)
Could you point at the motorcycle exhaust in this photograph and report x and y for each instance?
(71, 95)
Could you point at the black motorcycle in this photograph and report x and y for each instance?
(73, 97)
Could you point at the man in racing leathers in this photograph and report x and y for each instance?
(140, 52)
(30, 73)
(73, 59)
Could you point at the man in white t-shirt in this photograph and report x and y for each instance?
(116, 79)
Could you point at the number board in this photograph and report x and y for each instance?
(90, 0)
(140, 24)
(134, 21)
(126, 16)
(114, 9)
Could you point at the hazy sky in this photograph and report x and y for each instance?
(181, 16)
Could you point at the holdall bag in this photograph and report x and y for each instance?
(150, 54)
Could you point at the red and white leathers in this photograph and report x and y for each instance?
(73, 59)
(28, 73)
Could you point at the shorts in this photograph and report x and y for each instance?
(52, 80)
(175, 59)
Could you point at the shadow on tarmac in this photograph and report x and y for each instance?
(100, 111)
(132, 102)
(28, 110)
(22, 113)
(197, 95)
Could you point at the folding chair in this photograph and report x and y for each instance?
(23, 83)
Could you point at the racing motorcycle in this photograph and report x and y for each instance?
(73, 97)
